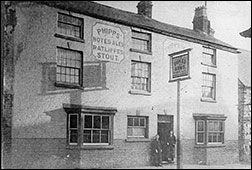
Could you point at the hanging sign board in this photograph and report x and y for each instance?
(179, 65)
(107, 43)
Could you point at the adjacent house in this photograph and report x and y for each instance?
(92, 85)
(244, 103)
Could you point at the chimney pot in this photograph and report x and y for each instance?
(201, 22)
(145, 8)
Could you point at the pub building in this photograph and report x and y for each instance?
(94, 84)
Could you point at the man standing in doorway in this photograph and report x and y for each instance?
(171, 142)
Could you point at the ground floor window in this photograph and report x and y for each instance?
(96, 129)
(137, 126)
(209, 129)
(89, 126)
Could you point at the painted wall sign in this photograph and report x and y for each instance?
(107, 43)
(180, 65)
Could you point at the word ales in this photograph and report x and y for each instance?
(108, 43)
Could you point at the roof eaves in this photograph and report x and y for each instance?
(175, 34)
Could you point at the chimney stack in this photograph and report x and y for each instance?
(145, 8)
(201, 22)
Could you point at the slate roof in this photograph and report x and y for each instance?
(246, 33)
(132, 19)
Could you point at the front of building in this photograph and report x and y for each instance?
(93, 86)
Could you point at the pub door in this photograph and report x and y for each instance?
(165, 125)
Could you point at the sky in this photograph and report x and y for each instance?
(228, 18)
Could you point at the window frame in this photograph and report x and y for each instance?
(81, 110)
(93, 129)
(145, 127)
(197, 132)
(214, 87)
(69, 84)
(218, 132)
(213, 56)
(69, 128)
(206, 118)
(148, 84)
(149, 42)
(67, 36)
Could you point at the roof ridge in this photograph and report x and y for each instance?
(128, 18)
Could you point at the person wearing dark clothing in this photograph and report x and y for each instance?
(171, 142)
(156, 151)
(164, 146)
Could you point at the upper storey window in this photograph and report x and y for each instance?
(69, 67)
(141, 41)
(70, 26)
(209, 56)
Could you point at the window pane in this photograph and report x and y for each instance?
(216, 126)
(222, 137)
(142, 122)
(221, 126)
(104, 136)
(200, 125)
(210, 137)
(96, 136)
(215, 137)
(87, 136)
(73, 121)
(139, 132)
(200, 138)
(73, 136)
(88, 121)
(210, 126)
(136, 121)
(105, 122)
(97, 122)
(130, 131)
(130, 121)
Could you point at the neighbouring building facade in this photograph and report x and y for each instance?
(93, 85)
(244, 104)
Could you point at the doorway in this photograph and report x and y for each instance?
(165, 125)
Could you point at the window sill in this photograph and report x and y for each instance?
(69, 38)
(140, 51)
(137, 140)
(209, 145)
(209, 65)
(208, 100)
(70, 86)
(139, 92)
(95, 88)
(91, 147)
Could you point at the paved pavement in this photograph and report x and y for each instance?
(189, 166)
